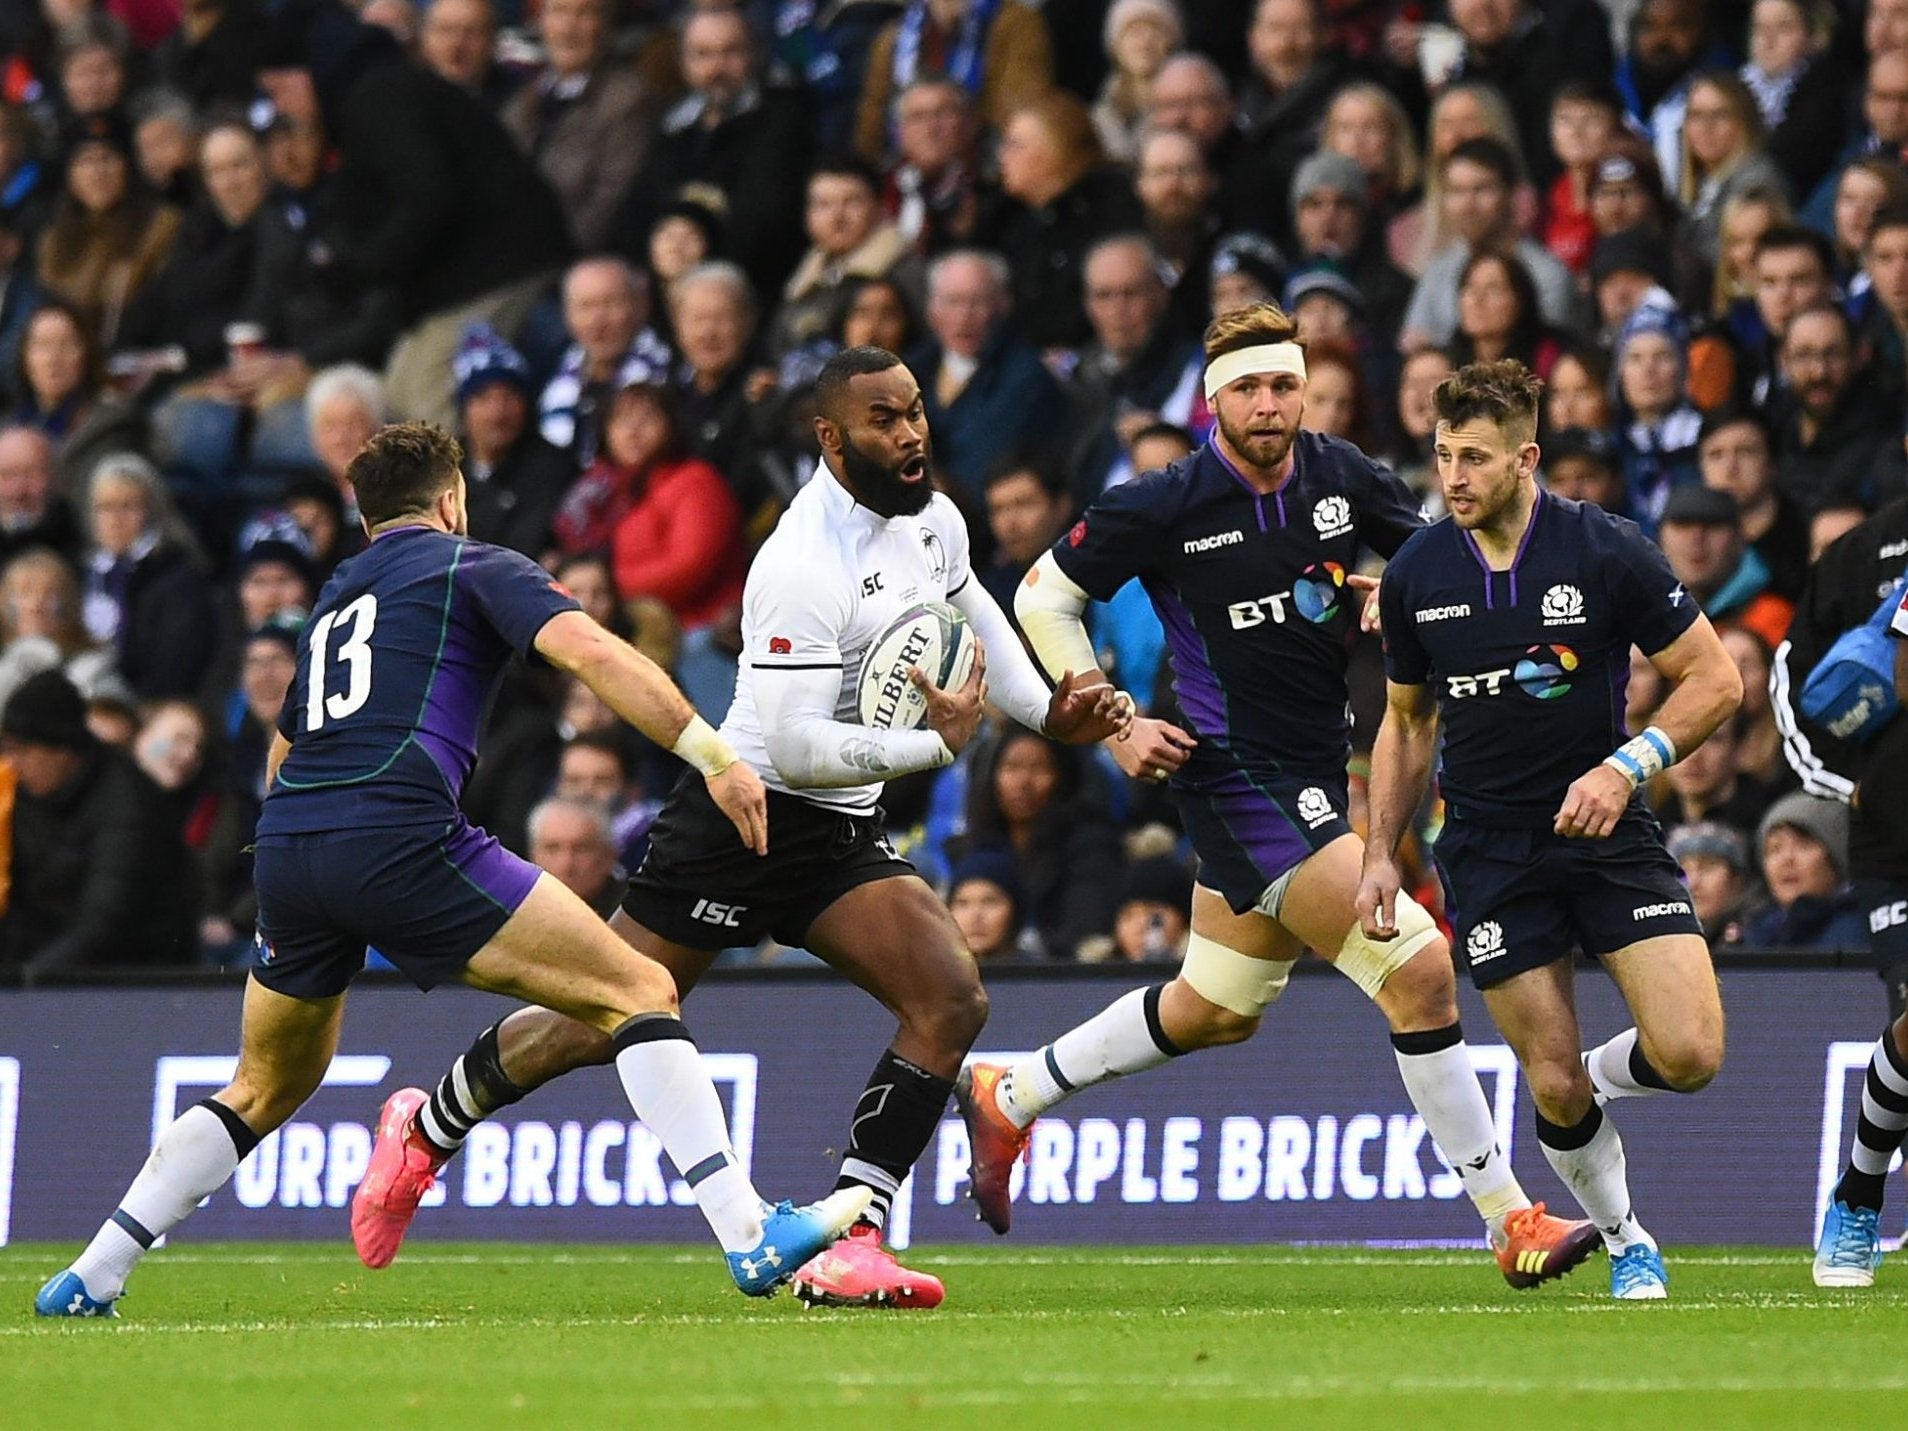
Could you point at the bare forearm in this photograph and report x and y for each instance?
(1400, 773)
(639, 691)
(1696, 707)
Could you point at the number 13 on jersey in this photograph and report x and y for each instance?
(354, 623)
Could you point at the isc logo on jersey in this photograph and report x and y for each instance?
(1563, 606)
(1333, 517)
(1888, 916)
(1485, 942)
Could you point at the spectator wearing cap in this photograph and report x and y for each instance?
(744, 138)
(1710, 784)
(32, 513)
(1153, 921)
(848, 239)
(997, 50)
(62, 394)
(429, 199)
(1140, 367)
(1715, 864)
(268, 662)
(1701, 535)
(1581, 463)
(673, 530)
(99, 872)
(1246, 268)
(984, 387)
(1139, 37)
(1036, 802)
(1175, 189)
(582, 118)
(1063, 201)
(1479, 178)
(146, 594)
(1627, 267)
(515, 480)
(1736, 455)
(1833, 418)
(606, 317)
(1332, 223)
(1499, 316)
(1585, 115)
(934, 191)
(1657, 426)
(1626, 190)
(985, 898)
(1803, 842)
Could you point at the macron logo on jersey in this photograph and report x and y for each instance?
(1443, 613)
(1206, 544)
(1657, 911)
(1332, 517)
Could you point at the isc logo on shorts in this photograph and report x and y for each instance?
(1484, 943)
(724, 916)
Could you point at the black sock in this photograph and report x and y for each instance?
(475, 1088)
(1879, 1128)
(1567, 1139)
(898, 1112)
(1644, 1072)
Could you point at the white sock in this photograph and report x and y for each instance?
(1437, 1073)
(192, 1159)
(1613, 1069)
(1594, 1170)
(1125, 1037)
(663, 1079)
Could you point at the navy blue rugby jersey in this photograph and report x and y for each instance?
(1531, 664)
(1250, 588)
(396, 670)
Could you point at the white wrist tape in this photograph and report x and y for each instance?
(1644, 757)
(1259, 359)
(703, 747)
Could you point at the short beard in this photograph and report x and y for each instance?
(879, 488)
(1261, 452)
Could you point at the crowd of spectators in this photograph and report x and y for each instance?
(609, 244)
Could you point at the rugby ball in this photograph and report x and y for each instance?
(933, 636)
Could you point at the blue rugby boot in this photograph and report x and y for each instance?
(66, 1296)
(1637, 1274)
(791, 1235)
(1850, 1248)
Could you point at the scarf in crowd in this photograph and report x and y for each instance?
(966, 62)
(1772, 92)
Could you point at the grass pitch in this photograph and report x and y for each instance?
(478, 1336)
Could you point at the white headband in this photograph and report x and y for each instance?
(1265, 358)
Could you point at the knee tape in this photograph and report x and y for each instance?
(1369, 962)
(1233, 980)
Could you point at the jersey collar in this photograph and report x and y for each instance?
(1490, 577)
(1258, 498)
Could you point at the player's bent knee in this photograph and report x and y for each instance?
(1560, 1089)
(1688, 1066)
(952, 1020)
(1369, 963)
(1236, 987)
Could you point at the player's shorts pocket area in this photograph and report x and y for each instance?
(1250, 830)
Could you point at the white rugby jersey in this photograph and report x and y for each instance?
(829, 580)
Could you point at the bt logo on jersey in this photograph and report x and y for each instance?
(1542, 673)
(1314, 595)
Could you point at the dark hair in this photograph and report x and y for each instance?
(610, 742)
(850, 294)
(1165, 431)
(1734, 415)
(1503, 393)
(1824, 310)
(831, 384)
(1528, 331)
(848, 166)
(1486, 153)
(1043, 467)
(92, 372)
(1342, 354)
(1783, 236)
(1601, 93)
(663, 399)
(402, 469)
(1890, 216)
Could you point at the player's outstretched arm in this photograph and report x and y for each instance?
(1080, 710)
(1400, 770)
(640, 691)
(1705, 690)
